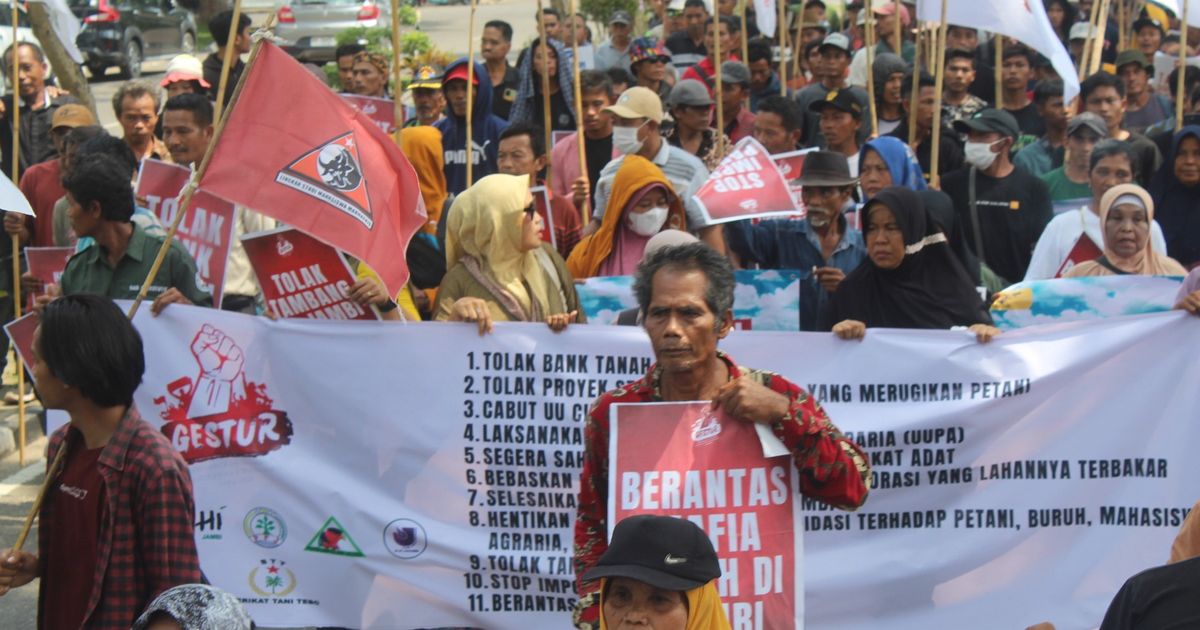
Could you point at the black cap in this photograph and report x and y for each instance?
(989, 120)
(826, 168)
(1145, 21)
(664, 552)
(838, 99)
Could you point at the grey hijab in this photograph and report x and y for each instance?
(197, 607)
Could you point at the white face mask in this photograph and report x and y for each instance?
(647, 223)
(979, 154)
(625, 139)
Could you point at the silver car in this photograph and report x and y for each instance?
(310, 27)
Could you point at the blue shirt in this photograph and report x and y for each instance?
(789, 244)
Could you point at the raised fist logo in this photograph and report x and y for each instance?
(221, 383)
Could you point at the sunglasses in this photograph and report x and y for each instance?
(530, 210)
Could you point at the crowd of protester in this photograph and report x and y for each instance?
(884, 241)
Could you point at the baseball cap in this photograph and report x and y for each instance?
(989, 120)
(621, 17)
(184, 68)
(735, 72)
(72, 115)
(1081, 30)
(689, 92)
(838, 99)
(837, 40)
(639, 102)
(662, 551)
(1088, 120)
(460, 73)
(430, 77)
(889, 8)
(1145, 21)
(1133, 55)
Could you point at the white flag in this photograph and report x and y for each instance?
(66, 26)
(11, 197)
(764, 16)
(1173, 7)
(1024, 20)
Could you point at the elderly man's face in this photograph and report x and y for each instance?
(683, 330)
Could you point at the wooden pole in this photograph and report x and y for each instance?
(579, 138)
(190, 189)
(870, 45)
(1122, 26)
(796, 52)
(781, 31)
(471, 94)
(898, 36)
(716, 25)
(1085, 61)
(16, 240)
(936, 137)
(544, 48)
(41, 496)
(999, 44)
(1098, 40)
(397, 107)
(1183, 51)
(745, 37)
(916, 91)
(228, 61)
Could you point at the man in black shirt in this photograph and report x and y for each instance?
(219, 26)
(37, 108)
(1103, 94)
(1017, 70)
(950, 156)
(1003, 208)
(687, 46)
(1163, 597)
(494, 46)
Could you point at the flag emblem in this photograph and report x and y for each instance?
(332, 174)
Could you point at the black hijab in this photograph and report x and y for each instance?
(930, 289)
(1176, 207)
(941, 210)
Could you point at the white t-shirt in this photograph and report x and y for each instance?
(1064, 231)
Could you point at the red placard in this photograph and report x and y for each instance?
(207, 230)
(746, 184)
(1083, 250)
(302, 277)
(685, 460)
(20, 331)
(380, 110)
(47, 265)
(541, 201)
(791, 165)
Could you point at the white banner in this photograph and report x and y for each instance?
(374, 475)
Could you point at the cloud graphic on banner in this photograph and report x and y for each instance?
(1071, 299)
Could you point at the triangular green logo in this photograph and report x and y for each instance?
(334, 539)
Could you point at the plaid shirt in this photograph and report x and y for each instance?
(146, 542)
(832, 468)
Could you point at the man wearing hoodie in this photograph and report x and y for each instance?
(485, 129)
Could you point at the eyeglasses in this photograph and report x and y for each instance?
(530, 210)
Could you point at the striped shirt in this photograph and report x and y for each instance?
(685, 172)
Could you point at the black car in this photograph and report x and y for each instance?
(124, 33)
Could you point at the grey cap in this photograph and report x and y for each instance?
(1088, 120)
(621, 17)
(735, 72)
(689, 92)
(1081, 30)
(837, 40)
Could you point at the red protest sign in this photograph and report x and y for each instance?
(302, 277)
(380, 110)
(790, 166)
(20, 331)
(745, 184)
(685, 460)
(1083, 250)
(541, 200)
(47, 265)
(207, 230)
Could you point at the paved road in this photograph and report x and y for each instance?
(18, 488)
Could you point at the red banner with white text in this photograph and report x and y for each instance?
(302, 277)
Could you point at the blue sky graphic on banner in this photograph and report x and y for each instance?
(1071, 299)
(765, 299)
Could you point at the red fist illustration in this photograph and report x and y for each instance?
(221, 382)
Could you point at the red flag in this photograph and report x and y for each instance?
(295, 151)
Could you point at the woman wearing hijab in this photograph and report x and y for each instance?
(194, 607)
(887, 161)
(647, 206)
(1126, 213)
(911, 278)
(1175, 190)
(529, 106)
(499, 268)
(639, 589)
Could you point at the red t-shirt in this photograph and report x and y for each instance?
(71, 566)
(42, 186)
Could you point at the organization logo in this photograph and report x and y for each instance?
(332, 173)
(271, 578)
(283, 246)
(265, 527)
(404, 538)
(748, 204)
(220, 413)
(209, 524)
(332, 538)
(706, 428)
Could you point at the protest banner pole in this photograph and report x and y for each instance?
(999, 44)
(717, 70)
(781, 31)
(744, 37)
(1179, 84)
(916, 90)
(936, 137)
(898, 36)
(579, 139)
(190, 189)
(470, 148)
(1086, 56)
(796, 46)
(16, 240)
(1122, 15)
(545, 44)
(1098, 44)
(397, 107)
(870, 45)
(228, 60)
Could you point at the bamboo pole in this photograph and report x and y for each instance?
(898, 36)
(16, 240)
(544, 48)
(579, 138)
(999, 44)
(796, 52)
(1098, 40)
(41, 496)
(916, 91)
(397, 107)
(1122, 25)
(1183, 51)
(870, 45)
(1088, 50)
(745, 37)
(716, 25)
(936, 132)
(228, 60)
(471, 78)
(781, 39)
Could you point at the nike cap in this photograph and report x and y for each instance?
(662, 551)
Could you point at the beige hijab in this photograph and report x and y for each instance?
(1146, 262)
(485, 224)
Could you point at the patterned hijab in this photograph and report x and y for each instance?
(197, 607)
